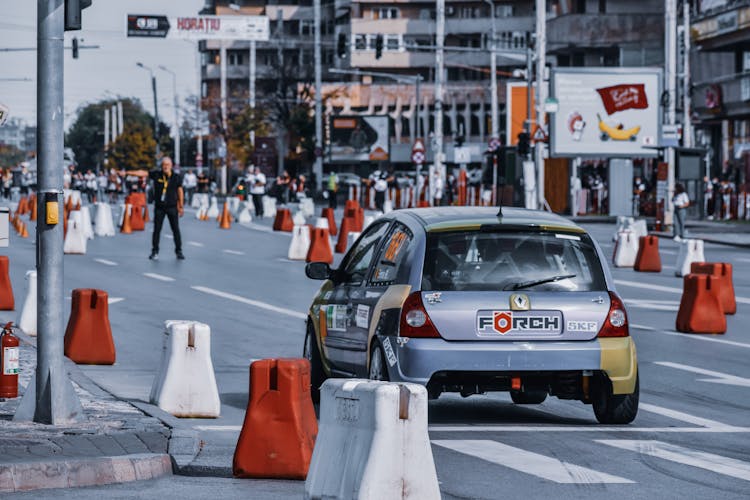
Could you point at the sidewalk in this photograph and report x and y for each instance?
(115, 443)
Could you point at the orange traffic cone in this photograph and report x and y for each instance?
(68, 205)
(33, 214)
(14, 221)
(22, 206)
(24, 231)
(146, 218)
(78, 206)
(225, 221)
(126, 229)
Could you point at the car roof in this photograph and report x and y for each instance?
(438, 219)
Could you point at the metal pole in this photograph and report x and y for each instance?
(541, 93)
(416, 110)
(439, 69)
(120, 123)
(318, 168)
(156, 115)
(113, 130)
(176, 105)
(223, 106)
(198, 96)
(670, 63)
(106, 129)
(687, 124)
(251, 86)
(51, 399)
(495, 128)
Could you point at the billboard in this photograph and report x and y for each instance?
(199, 27)
(606, 112)
(359, 138)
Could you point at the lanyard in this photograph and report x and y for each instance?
(165, 183)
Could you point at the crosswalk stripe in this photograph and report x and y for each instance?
(681, 416)
(709, 461)
(535, 464)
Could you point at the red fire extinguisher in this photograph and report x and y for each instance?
(8, 363)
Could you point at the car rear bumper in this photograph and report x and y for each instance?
(418, 359)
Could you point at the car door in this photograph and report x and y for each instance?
(342, 348)
(387, 271)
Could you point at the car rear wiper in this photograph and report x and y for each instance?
(551, 279)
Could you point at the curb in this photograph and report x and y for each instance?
(707, 240)
(76, 473)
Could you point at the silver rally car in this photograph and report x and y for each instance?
(469, 300)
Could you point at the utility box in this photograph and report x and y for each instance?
(4, 226)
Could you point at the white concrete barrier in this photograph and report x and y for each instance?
(300, 243)
(307, 207)
(103, 223)
(372, 443)
(269, 207)
(299, 218)
(75, 240)
(213, 208)
(244, 216)
(626, 249)
(88, 228)
(367, 221)
(387, 206)
(185, 385)
(623, 223)
(27, 318)
(122, 215)
(321, 223)
(233, 205)
(690, 251)
(639, 228)
(202, 210)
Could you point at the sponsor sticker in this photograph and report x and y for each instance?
(10, 360)
(336, 318)
(327, 295)
(582, 326)
(362, 318)
(494, 323)
(388, 349)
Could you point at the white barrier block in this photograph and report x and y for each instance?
(690, 251)
(76, 197)
(269, 207)
(213, 209)
(88, 228)
(623, 223)
(299, 218)
(75, 240)
(202, 209)
(300, 243)
(322, 223)
(367, 221)
(244, 216)
(626, 249)
(638, 227)
(351, 238)
(307, 207)
(372, 443)
(103, 222)
(185, 385)
(233, 205)
(387, 206)
(27, 319)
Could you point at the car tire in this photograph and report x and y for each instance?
(311, 353)
(528, 397)
(378, 369)
(615, 409)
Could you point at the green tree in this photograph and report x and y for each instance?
(134, 149)
(239, 127)
(10, 156)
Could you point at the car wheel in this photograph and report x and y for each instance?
(312, 354)
(528, 397)
(615, 409)
(378, 370)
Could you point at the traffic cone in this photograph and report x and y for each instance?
(726, 286)
(126, 229)
(700, 306)
(347, 226)
(146, 218)
(320, 246)
(328, 214)
(33, 214)
(225, 221)
(22, 206)
(647, 259)
(78, 205)
(24, 232)
(68, 205)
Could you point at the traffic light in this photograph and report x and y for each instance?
(73, 10)
(341, 46)
(75, 47)
(378, 46)
(523, 144)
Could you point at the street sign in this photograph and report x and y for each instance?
(540, 135)
(670, 135)
(494, 143)
(199, 27)
(3, 113)
(417, 152)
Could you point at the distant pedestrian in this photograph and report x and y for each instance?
(332, 189)
(190, 183)
(168, 202)
(681, 202)
(257, 181)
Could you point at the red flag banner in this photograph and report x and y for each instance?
(622, 97)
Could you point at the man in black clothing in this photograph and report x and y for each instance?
(168, 201)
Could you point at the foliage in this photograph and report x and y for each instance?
(10, 156)
(134, 148)
(239, 127)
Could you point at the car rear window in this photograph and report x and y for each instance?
(509, 260)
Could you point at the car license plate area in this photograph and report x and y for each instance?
(501, 323)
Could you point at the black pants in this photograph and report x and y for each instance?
(174, 224)
(258, 204)
(332, 201)
(379, 200)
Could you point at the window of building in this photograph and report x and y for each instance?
(392, 42)
(426, 14)
(469, 12)
(504, 10)
(602, 6)
(235, 58)
(579, 6)
(360, 42)
(306, 27)
(385, 13)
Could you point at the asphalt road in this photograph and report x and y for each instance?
(691, 438)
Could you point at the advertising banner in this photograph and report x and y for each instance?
(359, 138)
(606, 112)
(199, 27)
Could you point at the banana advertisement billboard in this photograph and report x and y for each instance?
(606, 112)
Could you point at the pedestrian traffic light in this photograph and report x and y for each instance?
(73, 10)
(341, 46)
(75, 47)
(523, 144)
(378, 46)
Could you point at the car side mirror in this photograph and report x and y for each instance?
(318, 270)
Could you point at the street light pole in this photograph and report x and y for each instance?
(318, 168)
(176, 116)
(439, 68)
(495, 130)
(156, 107)
(541, 94)
(670, 63)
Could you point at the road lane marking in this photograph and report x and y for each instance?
(251, 302)
(233, 252)
(656, 305)
(715, 463)
(669, 289)
(159, 277)
(668, 252)
(681, 416)
(692, 336)
(195, 243)
(258, 227)
(528, 462)
(588, 428)
(717, 377)
(169, 236)
(114, 300)
(106, 262)
(218, 428)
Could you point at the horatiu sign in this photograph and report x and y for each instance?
(199, 27)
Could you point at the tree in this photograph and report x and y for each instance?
(134, 149)
(239, 127)
(10, 156)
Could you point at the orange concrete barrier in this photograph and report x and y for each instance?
(33, 212)
(700, 310)
(648, 259)
(328, 214)
(347, 226)
(351, 204)
(225, 221)
(6, 288)
(125, 228)
(279, 430)
(88, 336)
(23, 206)
(283, 220)
(320, 246)
(423, 204)
(136, 218)
(146, 218)
(24, 233)
(723, 271)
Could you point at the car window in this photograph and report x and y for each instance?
(359, 258)
(391, 256)
(509, 260)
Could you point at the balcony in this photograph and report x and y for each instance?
(603, 30)
(723, 31)
(726, 97)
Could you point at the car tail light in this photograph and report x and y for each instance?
(415, 322)
(616, 323)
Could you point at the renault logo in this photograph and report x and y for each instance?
(519, 302)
